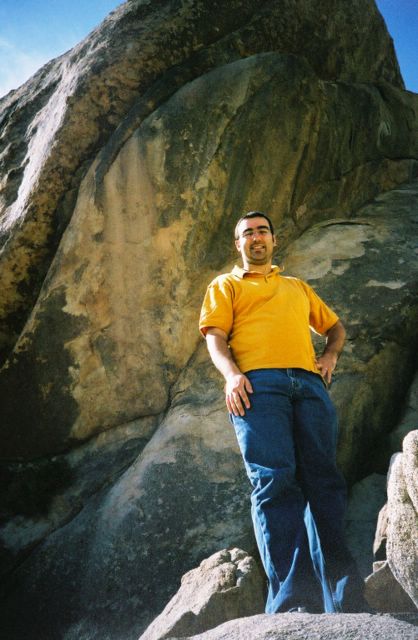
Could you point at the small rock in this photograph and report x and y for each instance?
(384, 593)
(225, 586)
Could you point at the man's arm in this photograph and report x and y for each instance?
(237, 385)
(335, 343)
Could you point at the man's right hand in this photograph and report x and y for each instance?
(237, 385)
(237, 388)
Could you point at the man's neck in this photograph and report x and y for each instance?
(259, 268)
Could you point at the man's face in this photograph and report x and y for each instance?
(255, 241)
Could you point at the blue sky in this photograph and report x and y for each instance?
(401, 17)
(34, 31)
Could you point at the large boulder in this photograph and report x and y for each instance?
(54, 125)
(110, 331)
(186, 494)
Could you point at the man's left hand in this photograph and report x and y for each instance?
(335, 342)
(326, 364)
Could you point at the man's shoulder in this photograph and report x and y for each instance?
(224, 279)
(293, 280)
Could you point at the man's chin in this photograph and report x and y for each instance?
(262, 255)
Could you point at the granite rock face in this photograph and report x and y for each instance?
(124, 165)
(226, 586)
(135, 532)
(186, 495)
(357, 262)
(54, 125)
(100, 348)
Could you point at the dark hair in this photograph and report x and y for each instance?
(253, 214)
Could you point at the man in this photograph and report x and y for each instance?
(257, 327)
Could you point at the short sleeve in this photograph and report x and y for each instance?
(217, 307)
(321, 317)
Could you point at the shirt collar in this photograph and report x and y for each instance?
(240, 272)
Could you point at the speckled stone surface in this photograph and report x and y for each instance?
(299, 626)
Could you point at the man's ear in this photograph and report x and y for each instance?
(238, 246)
(274, 240)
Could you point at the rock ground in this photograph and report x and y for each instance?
(300, 626)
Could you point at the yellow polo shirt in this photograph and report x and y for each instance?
(267, 318)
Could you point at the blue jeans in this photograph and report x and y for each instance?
(288, 440)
